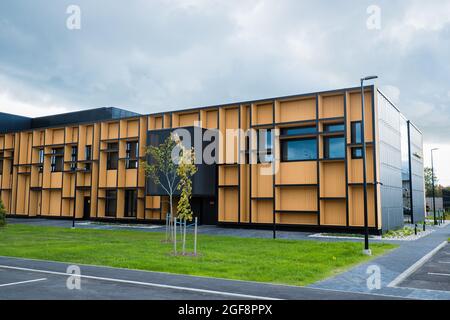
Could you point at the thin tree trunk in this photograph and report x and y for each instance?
(172, 216)
(167, 226)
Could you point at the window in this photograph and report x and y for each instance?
(41, 160)
(87, 156)
(356, 138)
(57, 159)
(88, 152)
(111, 203)
(113, 156)
(356, 132)
(298, 130)
(1, 163)
(73, 158)
(357, 153)
(299, 149)
(130, 203)
(333, 127)
(11, 168)
(132, 154)
(265, 145)
(334, 147)
(247, 149)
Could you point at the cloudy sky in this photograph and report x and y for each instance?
(158, 55)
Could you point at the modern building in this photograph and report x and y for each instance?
(87, 164)
(438, 203)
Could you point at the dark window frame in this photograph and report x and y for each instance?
(266, 150)
(130, 208)
(131, 160)
(354, 155)
(41, 159)
(87, 156)
(73, 158)
(327, 126)
(247, 149)
(57, 160)
(112, 159)
(11, 168)
(353, 132)
(284, 131)
(88, 152)
(284, 149)
(111, 203)
(326, 147)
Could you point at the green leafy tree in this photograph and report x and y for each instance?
(186, 169)
(428, 177)
(2, 214)
(162, 169)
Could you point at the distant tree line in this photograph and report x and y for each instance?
(429, 184)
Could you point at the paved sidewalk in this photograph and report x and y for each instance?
(202, 229)
(391, 265)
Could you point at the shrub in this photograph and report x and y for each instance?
(2, 214)
(400, 233)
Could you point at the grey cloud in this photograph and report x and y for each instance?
(159, 55)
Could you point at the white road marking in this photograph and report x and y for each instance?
(21, 282)
(416, 265)
(439, 274)
(443, 261)
(158, 285)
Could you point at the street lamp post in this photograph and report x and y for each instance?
(432, 182)
(363, 142)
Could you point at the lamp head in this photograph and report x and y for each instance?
(369, 78)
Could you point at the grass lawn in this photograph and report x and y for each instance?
(438, 216)
(278, 261)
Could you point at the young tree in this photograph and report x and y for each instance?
(162, 169)
(2, 214)
(428, 176)
(186, 169)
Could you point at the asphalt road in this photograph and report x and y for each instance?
(36, 279)
(432, 275)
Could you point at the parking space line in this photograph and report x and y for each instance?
(21, 282)
(150, 284)
(405, 274)
(439, 274)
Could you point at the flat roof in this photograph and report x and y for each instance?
(95, 115)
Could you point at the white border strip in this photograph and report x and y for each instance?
(165, 286)
(21, 282)
(401, 277)
(439, 274)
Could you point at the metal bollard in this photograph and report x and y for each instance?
(415, 229)
(423, 225)
(175, 236)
